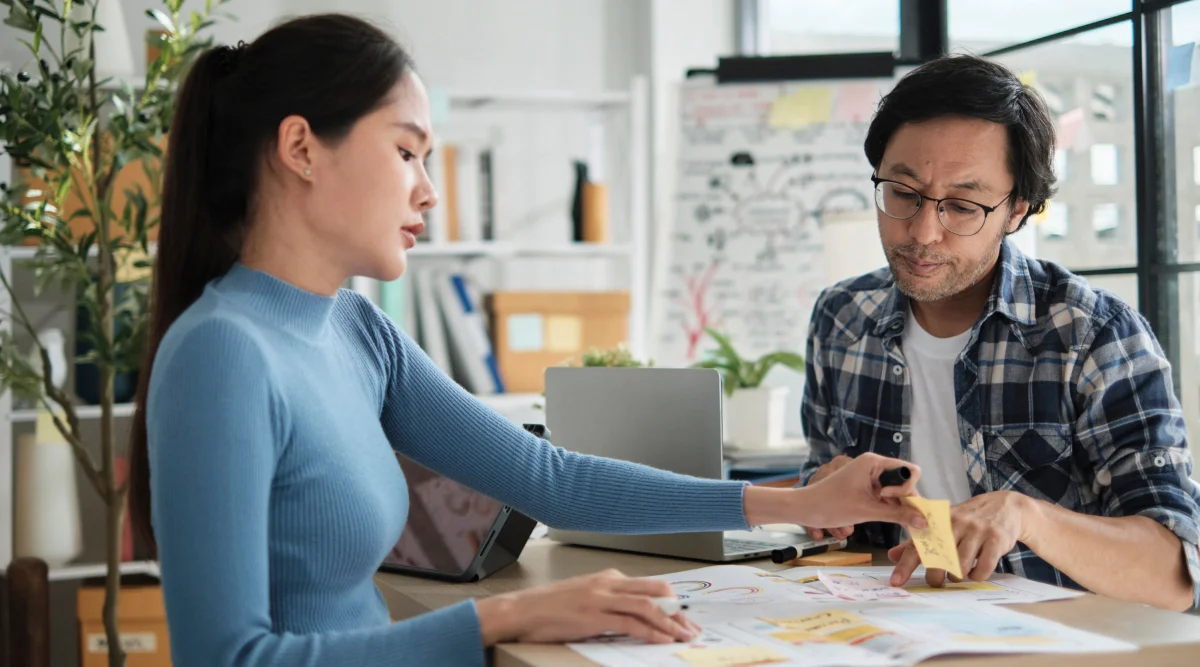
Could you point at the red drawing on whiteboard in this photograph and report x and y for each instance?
(701, 315)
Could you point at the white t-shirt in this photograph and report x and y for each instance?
(935, 444)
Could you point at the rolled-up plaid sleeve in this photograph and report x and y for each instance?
(815, 421)
(1132, 429)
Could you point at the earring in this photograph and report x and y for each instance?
(308, 172)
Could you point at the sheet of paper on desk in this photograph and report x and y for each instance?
(998, 589)
(850, 587)
(884, 633)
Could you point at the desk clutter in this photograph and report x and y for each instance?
(818, 616)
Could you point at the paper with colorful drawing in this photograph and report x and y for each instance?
(753, 617)
(998, 589)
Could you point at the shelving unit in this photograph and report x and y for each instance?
(631, 251)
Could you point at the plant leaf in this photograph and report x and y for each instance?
(789, 359)
(161, 16)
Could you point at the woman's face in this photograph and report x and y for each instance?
(370, 190)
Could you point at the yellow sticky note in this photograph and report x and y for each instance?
(806, 106)
(564, 333)
(935, 543)
(1028, 78)
(733, 656)
(799, 638)
(820, 622)
(951, 586)
(858, 632)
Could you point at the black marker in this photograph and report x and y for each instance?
(895, 476)
(791, 553)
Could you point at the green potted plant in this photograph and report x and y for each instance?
(596, 357)
(73, 137)
(754, 413)
(616, 357)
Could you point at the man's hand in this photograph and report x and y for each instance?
(986, 528)
(824, 471)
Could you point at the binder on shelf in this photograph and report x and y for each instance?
(468, 335)
(433, 336)
(468, 192)
(441, 221)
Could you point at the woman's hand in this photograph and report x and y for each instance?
(850, 494)
(583, 607)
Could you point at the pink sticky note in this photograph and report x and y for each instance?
(855, 103)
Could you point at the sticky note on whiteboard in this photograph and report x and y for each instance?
(935, 543)
(805, 106)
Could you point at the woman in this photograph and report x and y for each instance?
(263, 449)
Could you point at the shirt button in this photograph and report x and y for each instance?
(897, 370)
(897, 438)
(1104, 478)
(1160, 461)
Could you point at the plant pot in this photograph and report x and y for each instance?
(754, 417)
(47, 523)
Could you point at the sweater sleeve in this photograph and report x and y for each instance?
(432, 420)
(216, 427)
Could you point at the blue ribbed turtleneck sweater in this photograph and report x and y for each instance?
(272, 417)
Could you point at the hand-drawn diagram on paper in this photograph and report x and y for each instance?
(746, 252)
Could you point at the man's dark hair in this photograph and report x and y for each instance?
(963, 85)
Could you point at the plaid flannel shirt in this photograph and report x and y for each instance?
(1063, 394)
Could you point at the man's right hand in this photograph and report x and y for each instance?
(824, 471)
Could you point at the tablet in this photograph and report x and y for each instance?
(454, 533)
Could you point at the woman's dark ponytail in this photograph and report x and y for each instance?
(192, 250)
(330, 69)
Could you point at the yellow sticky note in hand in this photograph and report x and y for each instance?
(935, 543)
(733, 656)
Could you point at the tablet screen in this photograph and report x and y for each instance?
(447, 522)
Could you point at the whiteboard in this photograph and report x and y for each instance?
(773, 202)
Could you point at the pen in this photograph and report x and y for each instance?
(895, 476)
(670, 606)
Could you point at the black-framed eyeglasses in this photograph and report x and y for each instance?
(961, 217)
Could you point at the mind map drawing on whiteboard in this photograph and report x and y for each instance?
(746, 249)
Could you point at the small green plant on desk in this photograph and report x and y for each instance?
(754, 414)
(741, 373)
(615, 357)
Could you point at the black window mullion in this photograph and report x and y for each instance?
(1158, 291)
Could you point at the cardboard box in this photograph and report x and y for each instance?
(142, 619)
(532, 331)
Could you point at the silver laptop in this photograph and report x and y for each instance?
(667, 418)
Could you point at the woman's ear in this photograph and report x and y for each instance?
(295, 147)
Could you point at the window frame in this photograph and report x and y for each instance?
(924, 36)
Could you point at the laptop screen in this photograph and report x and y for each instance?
(447, 522)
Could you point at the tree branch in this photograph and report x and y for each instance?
(81, 453)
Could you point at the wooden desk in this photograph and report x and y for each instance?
(1166, 638)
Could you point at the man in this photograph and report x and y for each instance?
(1043, 410)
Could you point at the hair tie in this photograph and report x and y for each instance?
(230, 56)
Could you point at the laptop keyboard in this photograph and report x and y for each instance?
(743, 546)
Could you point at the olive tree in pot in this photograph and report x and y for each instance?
(70, 133)
(754, 413)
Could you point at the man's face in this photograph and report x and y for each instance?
(964, 158)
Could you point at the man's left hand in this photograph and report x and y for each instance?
(986, 528)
